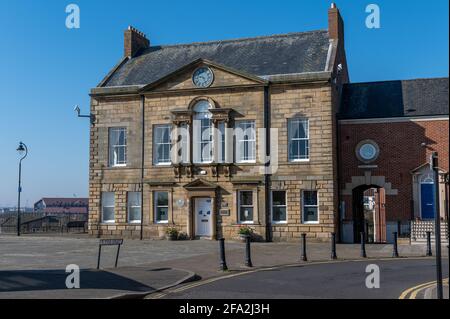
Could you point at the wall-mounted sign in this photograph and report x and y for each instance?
(224, 212)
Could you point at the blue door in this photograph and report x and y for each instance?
(426, 197)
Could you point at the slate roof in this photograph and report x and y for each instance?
(290, 53)
(420, 97)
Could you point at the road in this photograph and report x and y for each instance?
(344, 280)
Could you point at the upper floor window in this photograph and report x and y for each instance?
(202, 132)
(298, 136)
(117, 146)
(245, 141)
(161, 144)
(221, 141)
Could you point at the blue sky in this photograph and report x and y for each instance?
(46, 68)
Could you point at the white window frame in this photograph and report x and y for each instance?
(113, 162)
(156, 161)
(249, 141)
(285, 206)
(221, 142)
(129, 207)
(156, 206)
(112, 221)
(239, 208)
(199, 130)
(290, 139)
(303, 207)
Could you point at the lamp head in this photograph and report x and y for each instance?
(21, 149)
(77, 109)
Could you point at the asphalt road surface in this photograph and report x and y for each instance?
(343, 280)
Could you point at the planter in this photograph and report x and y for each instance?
(243, 238)
(171, 237)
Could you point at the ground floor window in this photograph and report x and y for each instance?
(161, 206)
(134, 207)
(279, 207)
(310, 207)
(108, 207)
(245, 207)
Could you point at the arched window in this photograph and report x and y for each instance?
(202, 132)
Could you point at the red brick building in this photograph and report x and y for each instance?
(387, 132)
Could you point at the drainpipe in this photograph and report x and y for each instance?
(267, 115)
(142, 164)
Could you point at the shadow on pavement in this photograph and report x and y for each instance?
(35, 280)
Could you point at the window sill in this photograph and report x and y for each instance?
(166, 222)
(299, 161)
(162, 164)
(117, 166)
(108, 222)
(311, 223)
(279, 222)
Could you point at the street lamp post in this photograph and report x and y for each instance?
(437, 225)
(23, 151)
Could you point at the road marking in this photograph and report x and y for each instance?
(414, 291)
(208, 281)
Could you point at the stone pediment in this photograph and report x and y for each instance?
(222, 77)
(200, 184)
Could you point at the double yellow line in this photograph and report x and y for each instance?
(411, 293)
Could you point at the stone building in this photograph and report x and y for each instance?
(210, 137)
(265, 133)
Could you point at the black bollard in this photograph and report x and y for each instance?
(248, 258)
(333, 246)
(395, 251)
(223, 263)
(363, 245)
(429, 252)
(304, 258)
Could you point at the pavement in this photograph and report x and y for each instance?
(34, 266)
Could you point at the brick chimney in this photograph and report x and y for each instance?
(335, 24)
(134, 40)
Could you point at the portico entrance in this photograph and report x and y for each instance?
(202, 217)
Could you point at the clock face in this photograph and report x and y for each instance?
(367, 152)
(203, 77)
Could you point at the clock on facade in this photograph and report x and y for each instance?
(203, 77)
(367, 151)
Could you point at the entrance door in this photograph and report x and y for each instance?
(427, 200)
(203, 218)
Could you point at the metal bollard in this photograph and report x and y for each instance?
(395, 251)
(223, 263)
(333, 246)
(429, 251)
(248, 258)
(363, 245)
(304, 258)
